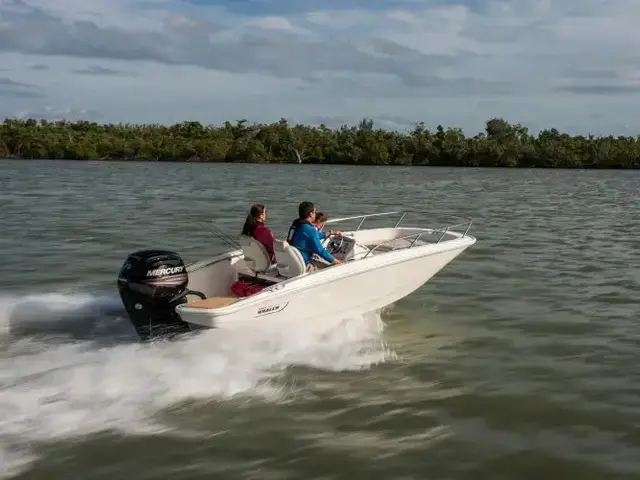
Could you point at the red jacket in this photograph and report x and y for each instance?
(264, 235)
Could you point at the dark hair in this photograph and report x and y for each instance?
(252, 222)
(321, 217)
(305, 209)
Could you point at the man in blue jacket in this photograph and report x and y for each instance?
(306, 238)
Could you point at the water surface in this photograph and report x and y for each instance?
(519, 360)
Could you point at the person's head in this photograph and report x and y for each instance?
(321, 219)
(307, 211)
(257, 214)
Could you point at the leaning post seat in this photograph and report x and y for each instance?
(256, 256)
(289, 261)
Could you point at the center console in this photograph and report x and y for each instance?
(345, 248)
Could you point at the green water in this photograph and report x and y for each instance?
(519, 360)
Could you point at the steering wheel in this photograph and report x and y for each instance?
(334, 244)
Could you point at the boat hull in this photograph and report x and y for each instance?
(347, 290)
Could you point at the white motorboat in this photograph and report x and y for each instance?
(381, 266)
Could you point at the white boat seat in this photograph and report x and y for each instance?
(256, 256)
(289, 261)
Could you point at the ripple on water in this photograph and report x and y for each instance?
(517, 361)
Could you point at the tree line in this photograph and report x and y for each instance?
(500, 145)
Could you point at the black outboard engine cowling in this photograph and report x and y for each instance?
(151, 284)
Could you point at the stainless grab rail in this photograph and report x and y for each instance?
(364, 217)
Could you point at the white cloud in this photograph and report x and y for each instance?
(559, 64)
(272, 22)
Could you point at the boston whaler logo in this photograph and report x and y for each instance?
(159, 272)
(271, 309)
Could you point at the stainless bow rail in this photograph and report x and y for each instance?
(416, 236)
(467, 223)
(443, 230)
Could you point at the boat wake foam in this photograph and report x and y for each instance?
(70, 365)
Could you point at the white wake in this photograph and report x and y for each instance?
(70, 365)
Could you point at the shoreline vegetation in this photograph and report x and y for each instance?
(500, 145)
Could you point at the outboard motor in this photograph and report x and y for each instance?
(152, 283)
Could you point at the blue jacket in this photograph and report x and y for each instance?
(306, 238)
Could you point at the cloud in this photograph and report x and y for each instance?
(21, 94)
(97, 70)
(8, 82)
(458, 62)
(601, 89)
(11, 88)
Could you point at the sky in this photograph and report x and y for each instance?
(565, 64)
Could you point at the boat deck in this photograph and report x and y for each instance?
(396, 244)
(213, 302)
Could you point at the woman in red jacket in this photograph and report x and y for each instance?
(254, 227)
